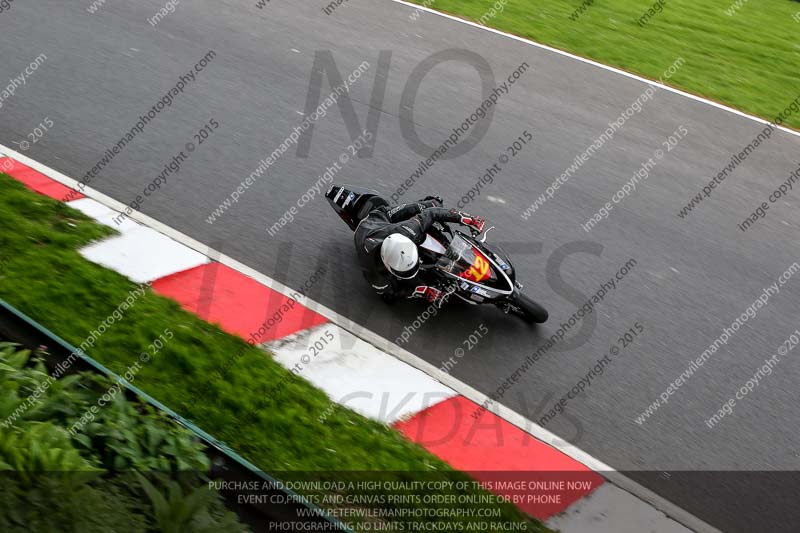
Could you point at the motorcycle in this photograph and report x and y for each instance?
(461, 265)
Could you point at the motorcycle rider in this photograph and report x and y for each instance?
(386, 241)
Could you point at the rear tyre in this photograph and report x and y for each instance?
(527, 309)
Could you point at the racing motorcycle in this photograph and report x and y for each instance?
(456, 263)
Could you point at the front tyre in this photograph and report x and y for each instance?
(527, 309)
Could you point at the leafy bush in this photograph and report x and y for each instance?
(55, 480)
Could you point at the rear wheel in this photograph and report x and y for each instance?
(527, 309)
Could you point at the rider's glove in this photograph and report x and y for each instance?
(431, 294)
(473, 222)
(438, 199)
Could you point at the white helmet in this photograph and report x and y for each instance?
(400, 256)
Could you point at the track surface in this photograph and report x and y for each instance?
(693, 276)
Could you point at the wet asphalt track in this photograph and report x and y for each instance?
(692, 277)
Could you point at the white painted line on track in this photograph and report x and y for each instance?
(540, 433)
(596, 64)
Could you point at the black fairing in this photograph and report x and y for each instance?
(501, 258)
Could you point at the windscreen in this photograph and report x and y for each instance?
(465, 261)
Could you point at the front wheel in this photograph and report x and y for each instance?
(527, 309)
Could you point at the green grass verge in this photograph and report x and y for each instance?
(748, 61)
(42, 274)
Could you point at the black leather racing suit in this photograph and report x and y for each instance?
(412, 220)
